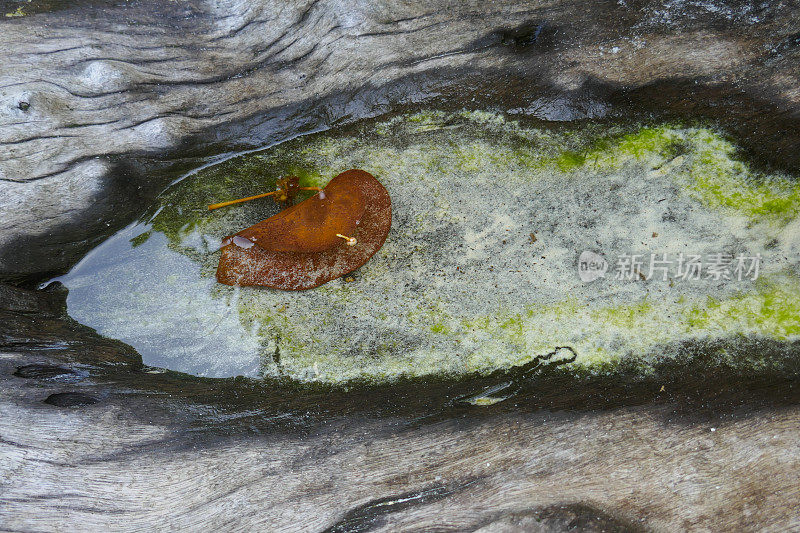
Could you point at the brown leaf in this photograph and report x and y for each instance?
(289, 262)
(311, 225)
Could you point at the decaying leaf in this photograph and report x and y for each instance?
(303, 246)
(286, 190)
(312, 225)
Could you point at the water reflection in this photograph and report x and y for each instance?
(177, 317)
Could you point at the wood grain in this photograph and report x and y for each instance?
(158, 451)
(102, 104)
(99, 98)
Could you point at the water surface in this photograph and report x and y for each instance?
(491, 216)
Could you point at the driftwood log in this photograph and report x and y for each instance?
(102, 104)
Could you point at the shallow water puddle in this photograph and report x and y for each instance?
(508, 240)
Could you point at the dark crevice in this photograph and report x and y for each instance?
(401, 32)
(70, 399)
(49, 373)
(374, 513)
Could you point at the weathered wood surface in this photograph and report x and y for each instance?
(102, 104)
(99, 446)
(99, 468)
(89, 90)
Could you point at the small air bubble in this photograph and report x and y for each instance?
(241, 242)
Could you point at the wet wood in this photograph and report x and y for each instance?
(111, 446)
(102, 104)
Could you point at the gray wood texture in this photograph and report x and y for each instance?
(95, 96)
(102, 104)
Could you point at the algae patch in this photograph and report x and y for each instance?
(460, 286)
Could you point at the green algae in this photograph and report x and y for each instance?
(721, 181)
(769, 311)
(19, 12)
(569, 160)
(459, 287)
(647, 141)
(182, 210)
(714, 175)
